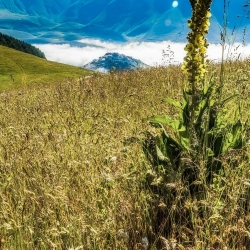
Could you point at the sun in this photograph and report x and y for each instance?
(175, 4)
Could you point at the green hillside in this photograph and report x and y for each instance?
(18, 69)
(14, 43)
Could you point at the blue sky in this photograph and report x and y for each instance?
(151, 52)
(235, 10)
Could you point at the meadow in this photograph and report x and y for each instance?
(148, 159)
(74, 174)
(22, 69)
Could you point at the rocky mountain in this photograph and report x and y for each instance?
(115, 61)
(59, 21)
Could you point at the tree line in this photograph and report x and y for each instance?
(16, 44)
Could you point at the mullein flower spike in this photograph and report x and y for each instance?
(194, 62)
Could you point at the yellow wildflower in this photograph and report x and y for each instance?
(194, 62)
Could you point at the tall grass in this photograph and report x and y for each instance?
(73, 175)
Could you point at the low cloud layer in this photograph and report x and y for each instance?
(150, 53)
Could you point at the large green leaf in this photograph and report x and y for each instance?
(161, 156)
(202, 108)
(226, 117)
(233, 137)
(206, 89)
(228, 99)
(215, 141)
(185, 114)
(164, 119)
(184, 137)
(173, 148)
(173, 102)
(160, 143)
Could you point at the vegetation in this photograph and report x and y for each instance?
(78, 170)
(20, 69)
(16, 44)
(204, 146)
(73, 175)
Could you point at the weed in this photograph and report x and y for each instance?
(193, 160)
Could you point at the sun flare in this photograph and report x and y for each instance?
(175, 4)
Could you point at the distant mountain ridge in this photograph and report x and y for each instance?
(16, 44)
(59, 21)
(115, 61)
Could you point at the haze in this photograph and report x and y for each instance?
(148, 52)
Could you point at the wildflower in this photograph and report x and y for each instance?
(189, 47)
(208, 14)
(194, 62)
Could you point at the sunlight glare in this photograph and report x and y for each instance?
(175, 4)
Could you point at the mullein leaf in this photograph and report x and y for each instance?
(173, 102)
(164, 119)
(225, 101)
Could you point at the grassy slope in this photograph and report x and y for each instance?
(73, 177)
(59, 187)
(18, 68)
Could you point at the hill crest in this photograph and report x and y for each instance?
(16, 44)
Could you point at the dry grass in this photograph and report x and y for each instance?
(73, 175)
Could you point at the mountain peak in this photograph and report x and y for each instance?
(114, 60)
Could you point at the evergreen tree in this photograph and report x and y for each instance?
(16, 44)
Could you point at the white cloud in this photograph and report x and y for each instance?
(230, 51)
(148, 52)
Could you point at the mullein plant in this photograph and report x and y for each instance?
(206, 130)
(192, 154)
(194, 62)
